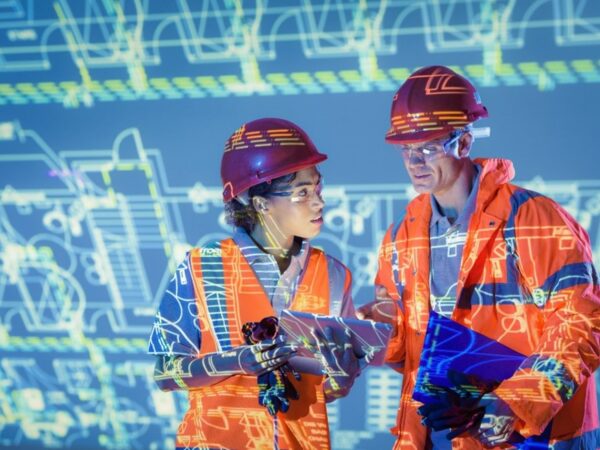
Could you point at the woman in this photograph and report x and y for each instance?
(215, 334)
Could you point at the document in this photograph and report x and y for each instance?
(369, 339)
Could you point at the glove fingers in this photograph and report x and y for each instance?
(470, 426)
(448, 422)
(430, 408)
(271, 365)
(287, 368)
(282, 350)
(290, 390)
(267, 344)
(448, 413)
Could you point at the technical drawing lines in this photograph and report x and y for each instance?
(81, 237)
(76, 267)
(544, 75)
(136, 34)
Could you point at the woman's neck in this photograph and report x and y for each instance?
(281, 249)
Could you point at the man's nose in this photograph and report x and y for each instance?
(415, 158)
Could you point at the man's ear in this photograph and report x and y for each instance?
(464, 144)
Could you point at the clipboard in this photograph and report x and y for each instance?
(368, 338)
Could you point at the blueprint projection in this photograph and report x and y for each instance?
(113, 119)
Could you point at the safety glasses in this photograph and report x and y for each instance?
(302, 194)
(431, 151)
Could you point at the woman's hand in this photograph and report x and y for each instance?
(340, 363)
(255, 359)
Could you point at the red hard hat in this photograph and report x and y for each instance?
(431, 103)
(262, 150)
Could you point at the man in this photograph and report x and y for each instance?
(506, 262)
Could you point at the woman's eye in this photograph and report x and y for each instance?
(303, 193)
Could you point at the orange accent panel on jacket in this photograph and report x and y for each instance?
(227, 414)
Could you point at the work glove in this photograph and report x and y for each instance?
(471, 407)
(275, 391)
(254, 359)
(496, 425)
(274, 388)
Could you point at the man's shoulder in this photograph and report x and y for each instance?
(413, 208)
(530, 205)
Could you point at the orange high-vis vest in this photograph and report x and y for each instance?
(227, 414)
(527, 281)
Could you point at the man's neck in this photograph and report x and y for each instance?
(453, 200)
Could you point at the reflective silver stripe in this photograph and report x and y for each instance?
(337, 280)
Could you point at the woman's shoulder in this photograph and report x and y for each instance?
(333, 264)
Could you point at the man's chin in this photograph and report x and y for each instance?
(421, 189)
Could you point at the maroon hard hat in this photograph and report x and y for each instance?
(262, 150)
(431, 103)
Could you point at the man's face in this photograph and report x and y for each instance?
(432, 167)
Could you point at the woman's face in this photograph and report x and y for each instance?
(295, 209)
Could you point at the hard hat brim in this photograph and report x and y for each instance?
(230, 191)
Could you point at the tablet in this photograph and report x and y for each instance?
(368, 338)
(456, 357)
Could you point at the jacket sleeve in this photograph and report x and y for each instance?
(340, 289)
(554, 257)
(388, 278)
(176, 330)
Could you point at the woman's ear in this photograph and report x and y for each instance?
(260, 204)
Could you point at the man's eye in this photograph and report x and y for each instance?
(302, 193)
(429, 151)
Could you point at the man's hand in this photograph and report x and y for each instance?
(255, 359)
(338, 359)
(383, 309)
(497, 424)
(484, 416)
(452, 410)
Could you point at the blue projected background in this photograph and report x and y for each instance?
(112, 122)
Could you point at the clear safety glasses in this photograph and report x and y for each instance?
(302, 194)
(430, 151)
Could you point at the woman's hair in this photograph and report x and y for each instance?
(245, 216)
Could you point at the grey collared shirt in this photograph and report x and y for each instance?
(446, 243)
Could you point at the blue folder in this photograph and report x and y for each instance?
(457, 357)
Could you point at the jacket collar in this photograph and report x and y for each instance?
(494, 172)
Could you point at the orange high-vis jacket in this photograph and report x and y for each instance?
(227, 414)
(527, 281)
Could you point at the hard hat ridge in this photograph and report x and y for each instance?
(262, 150)
(432, 102)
